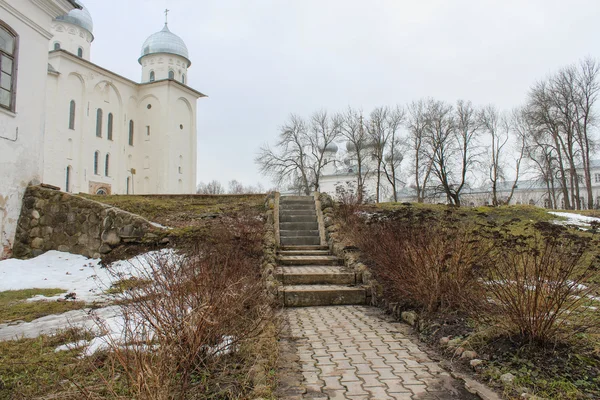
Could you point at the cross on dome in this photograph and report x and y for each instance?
(167, 16)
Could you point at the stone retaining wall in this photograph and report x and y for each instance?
(54, 220)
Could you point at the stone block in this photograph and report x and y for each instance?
(37, 243)
(111, 238)
(105, 248)
(64, 248)
(35, 214)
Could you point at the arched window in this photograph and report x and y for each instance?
(128, 183)
(80, 52)
(183, 78)
(110, 127)
(99, 122)
(96, 160)
(171, 74)
(131, 132)
(151, 76)
(106, 161)
(56, 46)
(68, 180)
(72, 114)
(8, 66)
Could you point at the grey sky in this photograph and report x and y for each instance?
(260, 60)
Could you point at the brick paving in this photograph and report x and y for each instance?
(354, 352)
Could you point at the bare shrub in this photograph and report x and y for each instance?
(182, 332)
(424, 261)
(539, 284)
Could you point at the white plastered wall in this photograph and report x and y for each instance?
(22, 132)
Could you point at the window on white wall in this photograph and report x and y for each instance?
(110, 126)
(96, 160)
(8, 66)
(106, 165)
(99, 122)
(152, 78)
(80, 52)
(68, 180)
(56, 46)
(171, 74)
(72, 114)
(131, 132)
(183, 78)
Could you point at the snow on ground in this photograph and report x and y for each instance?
(574, 219)
(73, 273)
(80, 275)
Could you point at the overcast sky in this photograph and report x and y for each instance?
(260, 60)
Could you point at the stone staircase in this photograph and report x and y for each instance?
(310, 275)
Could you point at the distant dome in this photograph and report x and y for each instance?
(331, 147)
(165, 41)
(350, 146)
(81, 18)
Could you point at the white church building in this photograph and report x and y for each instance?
(68, 122)
(106, 134)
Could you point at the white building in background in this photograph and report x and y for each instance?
(341, 173)
(68, 122)
(106, 134)
(25, 31)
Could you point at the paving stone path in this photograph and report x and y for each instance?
(354, 352)
(334, 346)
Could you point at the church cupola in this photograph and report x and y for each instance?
(164, 56)
(74, 32)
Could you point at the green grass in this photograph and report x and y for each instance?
(123, 285)
(30, 368)
(13, 305)
(182, 211)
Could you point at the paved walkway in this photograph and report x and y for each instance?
(355, 352)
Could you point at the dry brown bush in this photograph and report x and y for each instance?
(423, 261)
(183, 331)
(539, 284)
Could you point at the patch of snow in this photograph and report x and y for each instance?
(157, 225)
(74, 273)
(50, 324)
(574, 219)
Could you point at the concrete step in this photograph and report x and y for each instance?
(297, 212)
(298, 206)
(298, 248)
(300, 240)
(315, 275)
(286, 199)
(295, 232)
(297, 218)
(322, 295)
(304, 253)
(295, 202)
(302, 226)
(308, 260)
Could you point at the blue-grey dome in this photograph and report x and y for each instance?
(165, 41)
(331, 147)
(81, 18)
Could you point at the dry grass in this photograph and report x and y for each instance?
(15, 307)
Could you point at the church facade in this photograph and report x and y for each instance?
(106, 134)
(70, 123)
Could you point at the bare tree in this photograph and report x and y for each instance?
(236, 187)
(354, 131)
(498, 127)
(417, 124)
(379, 136)
(212, 187)
(395, 149)
(324, 130)
(289, 162)
(586, 90)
